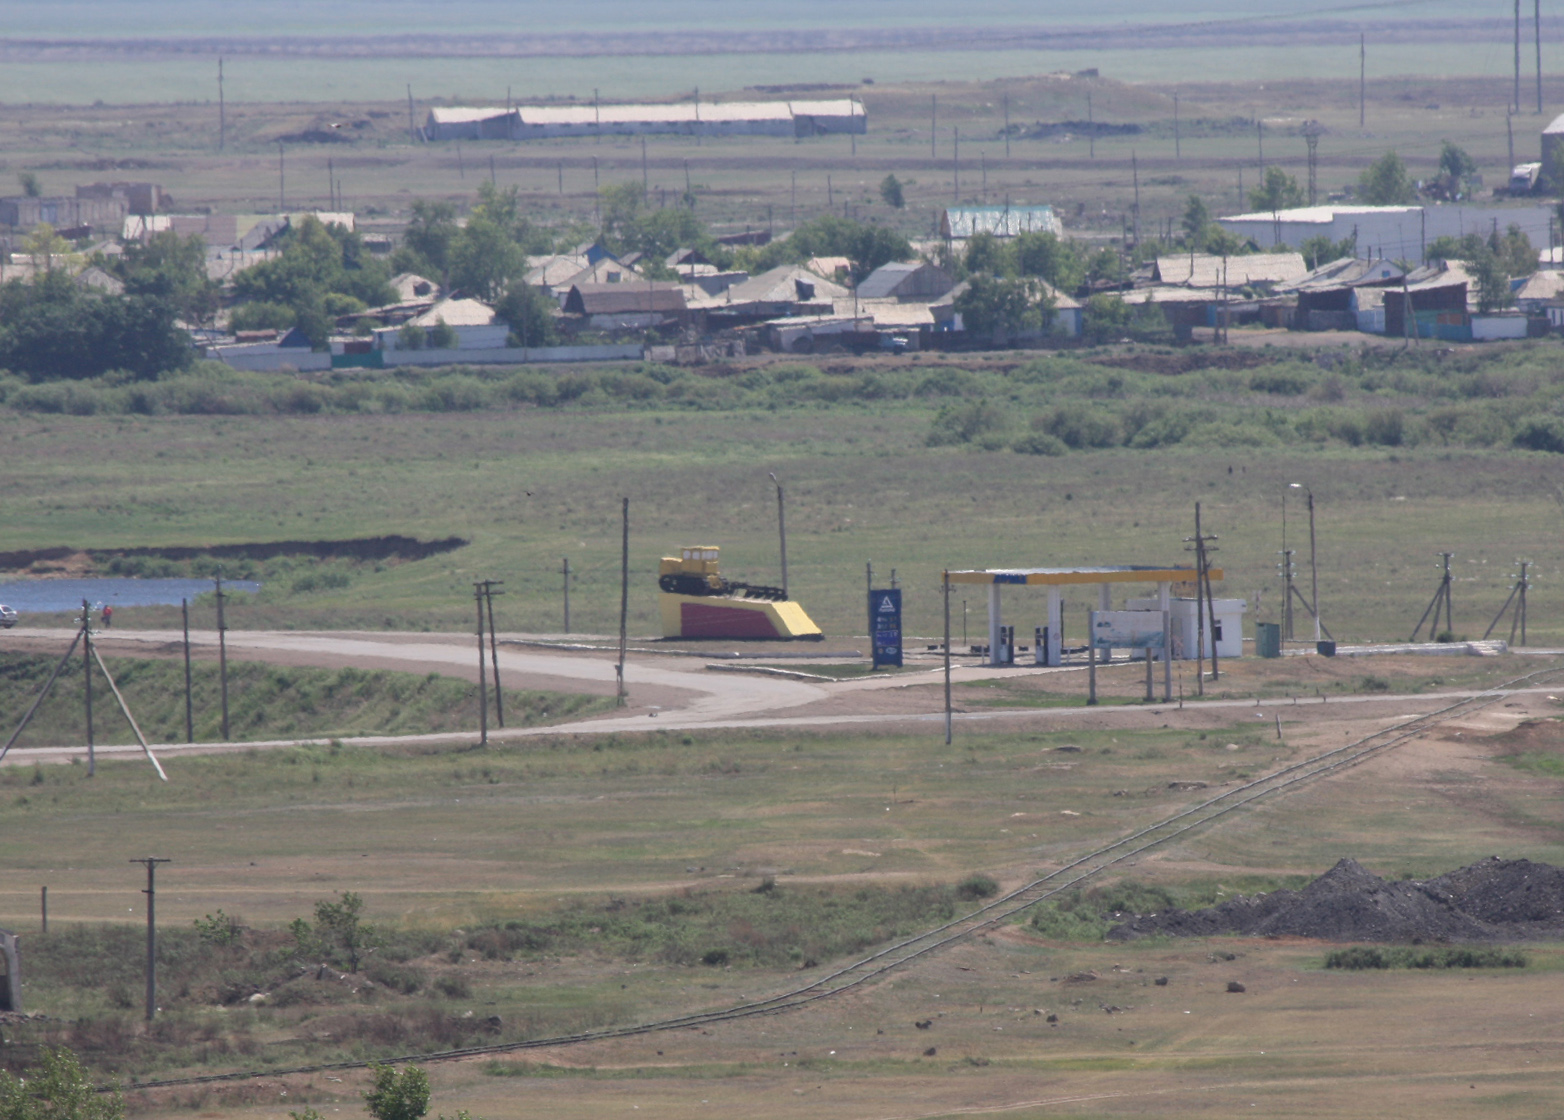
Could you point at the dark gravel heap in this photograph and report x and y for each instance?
(1495, 900)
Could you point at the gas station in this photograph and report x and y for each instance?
(1049, 644)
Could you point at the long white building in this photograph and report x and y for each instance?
(1391, 232)
(687, 118)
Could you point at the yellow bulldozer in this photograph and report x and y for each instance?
(697, 602)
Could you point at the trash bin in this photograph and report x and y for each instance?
(1268, 639)
(1325, 649)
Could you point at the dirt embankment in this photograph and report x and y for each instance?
(65, 560)
(1495, 900)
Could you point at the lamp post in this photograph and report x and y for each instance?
(1314, 571)
(781, 529)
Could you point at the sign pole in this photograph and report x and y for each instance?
(1167, 658)
(947, 657)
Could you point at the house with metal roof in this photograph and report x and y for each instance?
(689, 118)
(1204, 270)
(633, 306)
(906, 280)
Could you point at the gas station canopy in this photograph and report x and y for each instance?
(1123, 573)
(1050, 638)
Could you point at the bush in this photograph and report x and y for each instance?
(1039, 443)
(1360, 957)
(966, 423)
(1081, 426)
(976, 886)
(1385, 427)
(1544, 434)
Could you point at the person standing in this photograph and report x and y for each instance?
(108, 616)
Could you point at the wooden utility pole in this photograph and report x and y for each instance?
(1517, 101)
(1091, 125)
(1007, 121)
(1178, 152)
(1362, 80)
(624, 602)
(567, 594)
(282, 180)
(934, 126)
(494, 653)
(86, 672)
(151, 893)
(1205, 611)
(47, 685)
(222, 109)
(1135, 173)
(645, 176)
(222, 652)
(412, 128)
(955, 163)
(781, 529)
(1441, 598)
(483, 672)
(1536, 19)
(1518, 597)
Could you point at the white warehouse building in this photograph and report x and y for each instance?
(1388, 232)
(684, 118)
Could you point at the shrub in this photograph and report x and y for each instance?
(966, 423)
(1039, 443)
(976, 886)
(1385, 427)
(1081, 426)
(1542, 434)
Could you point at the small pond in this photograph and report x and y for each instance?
(45, 595)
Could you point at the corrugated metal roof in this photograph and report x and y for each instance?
(780, 285)
(1347, 272)
(462, 115)
(622, 299)
(1202, 270)
(1001, 221)
(456, 313)
(676, 113)
(1556, 128)
(1320, 215)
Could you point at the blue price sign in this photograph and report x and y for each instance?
(885, 611)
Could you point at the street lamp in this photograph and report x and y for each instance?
(781, 529)
(1314, 571)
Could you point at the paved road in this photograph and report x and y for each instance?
(668, 693)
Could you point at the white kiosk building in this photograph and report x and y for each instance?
(1229, 612)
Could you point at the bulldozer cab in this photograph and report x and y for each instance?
(698, 560)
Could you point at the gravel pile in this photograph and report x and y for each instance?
(1495, 900)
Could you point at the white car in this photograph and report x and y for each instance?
(7, 617)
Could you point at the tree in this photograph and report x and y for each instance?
(1196, 223)
(52, 330)
(57, 1088)
(1049, 258)
(994, 306)
(485, 260)
(985, 254)
(426, 243)
(339, 933)
(29, 184)
(1385, 182)
(1493, 282)
(1277, 191)
(865, 244)
(1516, 252)
(397, 1096)
(891, 192)
(173, 268)
(1320, 250)
(530, 315)
(1456, 172)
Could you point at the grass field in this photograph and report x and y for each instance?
(572, 883)
(529, 486)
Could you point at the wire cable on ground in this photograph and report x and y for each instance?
(866, 969)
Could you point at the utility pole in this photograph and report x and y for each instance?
(412, 128)
(1311, 137)
(621, 698)
(1259, 139)
(151, 893)
(331, 187)
(645, 181)
(934, 126)
(222, 107)
(1091, 125)
(1135, 171)
(1205, 611)
(781, 529)
(567, 594)
(1517, 101)
(1177, 148)
(1314, 573)
(1441, 598)
(494, 653)
(222, 652)
(1536, 18)
(1362, 80)
(184, 616)
(282, 180)
(86, 672)
(483, 675)
(1007, 118)
(955, 163)
(1518, 619)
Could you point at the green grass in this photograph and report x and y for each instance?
(265, 702)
